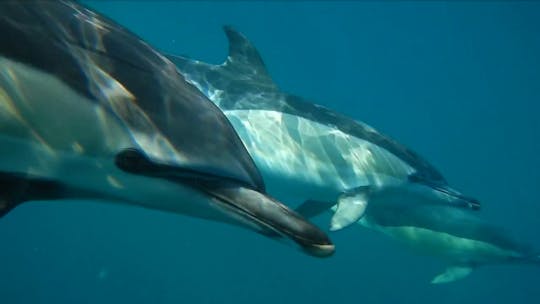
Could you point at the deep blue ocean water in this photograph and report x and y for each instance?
(457, 82)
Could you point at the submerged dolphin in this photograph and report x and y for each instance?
(90, 111)
(302, 149)
(409, 213)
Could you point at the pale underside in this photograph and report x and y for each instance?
(308, 160)
(452, 249)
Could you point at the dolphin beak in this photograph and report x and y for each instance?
(272, 218)
(242, 204)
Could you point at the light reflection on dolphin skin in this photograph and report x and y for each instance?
(304, 150)
(90, 111)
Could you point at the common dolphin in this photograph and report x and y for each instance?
(302, 149)
(88, 110)
(410, 214)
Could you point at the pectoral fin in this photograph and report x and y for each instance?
(451, 274)
(350, 208)
(17, 188)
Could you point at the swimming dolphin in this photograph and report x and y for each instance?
(90, 111)
(302, 149)
(410, 214)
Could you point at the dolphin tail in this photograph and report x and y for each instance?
(243, 60)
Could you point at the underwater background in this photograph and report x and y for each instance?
(459, 83)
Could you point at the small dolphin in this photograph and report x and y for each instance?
(302, 149)
(411, 214)
(90, 111)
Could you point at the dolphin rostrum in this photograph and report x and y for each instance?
(90, 111)
(304, 150)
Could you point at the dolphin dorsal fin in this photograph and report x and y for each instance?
(245, 59)
(243, 62)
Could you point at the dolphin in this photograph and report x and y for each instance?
(89, 111)
(304, 150)
(410, 214)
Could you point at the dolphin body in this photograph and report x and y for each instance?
(304, 150)
(90, 111)
(410, 214)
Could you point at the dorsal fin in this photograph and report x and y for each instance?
(243, 61)
(242, 51)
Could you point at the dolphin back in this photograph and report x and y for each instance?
(251, 75)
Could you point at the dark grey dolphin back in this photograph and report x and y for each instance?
(169, 119)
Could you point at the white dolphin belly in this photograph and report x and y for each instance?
(453, 249)
(302, 158)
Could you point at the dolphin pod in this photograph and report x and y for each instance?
(89, 111)
(332, 162)
(305, 150)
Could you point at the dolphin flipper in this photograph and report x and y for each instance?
(18, 188)
(451, 274)
(350, 208)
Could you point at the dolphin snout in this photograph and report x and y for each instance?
(273, 218)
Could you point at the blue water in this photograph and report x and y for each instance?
(457, 82)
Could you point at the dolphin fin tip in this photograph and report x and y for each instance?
(17, 188)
